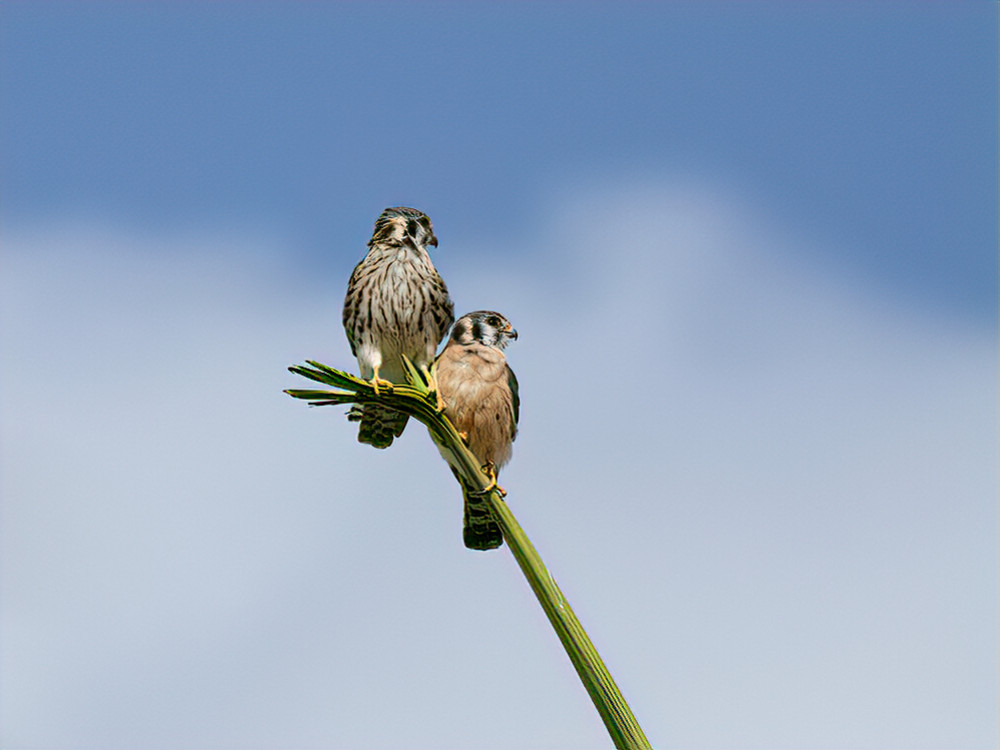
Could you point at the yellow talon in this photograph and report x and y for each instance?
(387, 384)
(376, 381)
(432, 386)
(490, 470)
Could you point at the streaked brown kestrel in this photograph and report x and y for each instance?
(396, 304)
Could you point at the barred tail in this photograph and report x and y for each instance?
(481, 531)
(378, 425)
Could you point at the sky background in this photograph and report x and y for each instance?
(751, 252)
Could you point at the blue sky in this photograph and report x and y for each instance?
(779, 218)
(871, 123)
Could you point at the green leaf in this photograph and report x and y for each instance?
(416, 399)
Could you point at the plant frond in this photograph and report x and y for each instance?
(418, 400)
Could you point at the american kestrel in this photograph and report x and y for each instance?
(396, 304)
(479, 392)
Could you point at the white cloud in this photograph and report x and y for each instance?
(766, 490)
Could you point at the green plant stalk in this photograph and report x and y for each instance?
(419, 401)
(604, 692)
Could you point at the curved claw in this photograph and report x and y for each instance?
(376, 381)
(387, 384)
(490, 470)
(432, 386)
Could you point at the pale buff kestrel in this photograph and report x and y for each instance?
(480, 397)
(396, 305)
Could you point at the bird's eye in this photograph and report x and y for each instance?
(493, 321)
(411, 228)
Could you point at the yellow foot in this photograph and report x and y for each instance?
(432, 386)
(387, 384)
(490, 470)
(376, 381)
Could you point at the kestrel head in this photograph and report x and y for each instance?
(483, 327)
(400, 224)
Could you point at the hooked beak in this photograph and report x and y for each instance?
(432, 240)
(512, 333)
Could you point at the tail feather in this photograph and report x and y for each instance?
(377, 425)
(480, 531)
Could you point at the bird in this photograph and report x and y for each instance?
(397, 304)
(479, 393)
